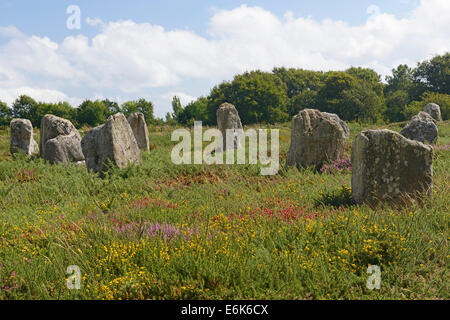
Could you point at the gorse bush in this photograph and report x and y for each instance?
(341, 197)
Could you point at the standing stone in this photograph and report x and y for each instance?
(22, 137)
(113, 141)
(422, 127)
(315, 139)
(60, 141)
(434, 110)
(390, 167)
(228, 118)
(140, 130)
(336, 118)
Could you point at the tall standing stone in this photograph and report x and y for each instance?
(228, 119)
(433, 110)
(422, 127)
(60, 141)
(336, 118)
(140, 130)
(22, 137)
(389, 167)
(315, 139)
(113, 141)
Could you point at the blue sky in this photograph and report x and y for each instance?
(48, 17)
(156, 49)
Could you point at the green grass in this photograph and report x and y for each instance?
(231, 233)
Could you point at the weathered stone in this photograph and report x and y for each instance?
(113, 141)
(60, 141)
(140, 130)
(22, 137)
(388, 167)
(228, 119)
(315, 139)
(433, 110)
(422, 127)
(336, 118)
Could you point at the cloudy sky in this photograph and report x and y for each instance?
(125, 50)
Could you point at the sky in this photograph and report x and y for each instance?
(126, 50)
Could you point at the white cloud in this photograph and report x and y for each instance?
(10, 31)
(184, 97)
(11, 94)
(132, 59)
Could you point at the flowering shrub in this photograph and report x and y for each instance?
(338, 166)
(27, 175)
(444, 148)
(276, 208)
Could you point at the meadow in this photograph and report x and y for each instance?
(166, 231)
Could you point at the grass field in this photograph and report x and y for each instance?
(162, 231)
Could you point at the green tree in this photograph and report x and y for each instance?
(303, 100)
(176, 107)
(195, 111)
(402, 79)
(143, 106)
(112, 107)
(298, 80)
(350, 97)
(129, 107)
(92, 113)
(25, 107)
(399, 92)
(5, 114)
(302, 87)
(330, 96)
(362, 103)
(258, 97)
(443, 100)
(63, 110)
(369, 77)
(396, 103)
(434, 75)
(219, 94)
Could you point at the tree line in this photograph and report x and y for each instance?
(89, 113)
(356, 94)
